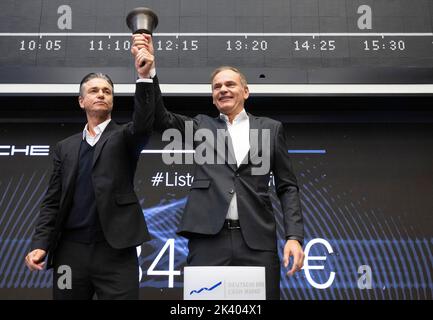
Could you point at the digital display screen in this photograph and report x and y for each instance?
(281, 42)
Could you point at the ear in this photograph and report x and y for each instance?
(213, 97)
(80, 102)
(246, 92)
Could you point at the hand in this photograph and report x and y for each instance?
(143, 62)
(293, 248)
(34, 260)
(140, 41)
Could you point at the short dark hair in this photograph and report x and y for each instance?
(94, 75)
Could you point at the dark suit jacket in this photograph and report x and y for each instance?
(214, 184)
(114, 163)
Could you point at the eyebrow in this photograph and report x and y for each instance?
(226, 82)
(103, 88)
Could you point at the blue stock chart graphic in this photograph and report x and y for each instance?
(366, 200)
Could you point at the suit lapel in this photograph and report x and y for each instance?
(228, 152)
(255, 141)
(255, 136)
(71, 159)
(104, 137)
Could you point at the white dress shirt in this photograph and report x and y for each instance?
(99, 129)
(152, 74)
(239, 131)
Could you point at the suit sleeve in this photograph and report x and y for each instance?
(49, 210)
(287, 188)
(140, 129)
(165, 119)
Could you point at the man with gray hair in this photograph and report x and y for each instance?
(90, 220)
(228, 218)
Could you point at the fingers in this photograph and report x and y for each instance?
(298, 263)
(287, 255)
(292, 271)
(137, 46)
(134, 50)
(31, 265)
(286, 261)
(143, 56)
(38, 255)
(142, 50)
(144, 61)
(141, 40)
(34, 260)
(301, 260)
(293, 248)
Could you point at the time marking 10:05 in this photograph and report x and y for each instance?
(47, 45)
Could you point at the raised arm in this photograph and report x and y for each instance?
(140, 129)
(164, 119)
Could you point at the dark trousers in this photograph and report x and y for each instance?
(228, 248)
(95, 268)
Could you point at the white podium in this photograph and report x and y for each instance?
(224, 283)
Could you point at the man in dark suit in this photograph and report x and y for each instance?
(90, 220)
(228, 217)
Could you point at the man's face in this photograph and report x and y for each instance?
(97, 99)
(228, 93)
